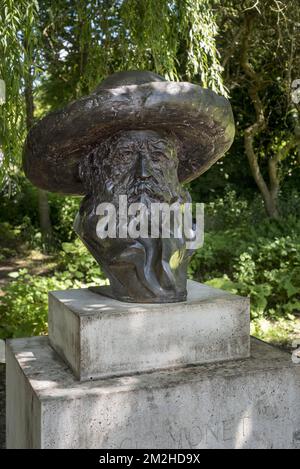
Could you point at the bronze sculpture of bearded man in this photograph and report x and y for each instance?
(138, 136)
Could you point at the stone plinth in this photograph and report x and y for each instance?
(250, 403)
(101, 337)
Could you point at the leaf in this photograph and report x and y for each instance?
(290, 288)
(68, 247)
(14, 274)
(224, 283)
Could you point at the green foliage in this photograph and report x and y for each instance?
(179, 43)
(23, 309)
(20, 220)
(24, 306)
(18, 200)
(17, 41)
(259, 260)
(63, 212)
(11, 237)
(79, 264)
(269, 272)
(18, 217)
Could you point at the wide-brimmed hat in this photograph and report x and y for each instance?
(135, 100)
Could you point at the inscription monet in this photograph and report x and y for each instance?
(140, 136)
(235, 429)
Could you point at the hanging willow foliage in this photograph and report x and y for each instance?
(71, 45)
(17, 20)
(175, 38)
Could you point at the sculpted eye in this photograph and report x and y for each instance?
(159, 155)
(127, 152)
(123, 156)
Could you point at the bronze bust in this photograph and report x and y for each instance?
(138, 136)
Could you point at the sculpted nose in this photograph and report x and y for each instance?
(142, 167)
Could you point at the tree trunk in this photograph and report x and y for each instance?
(44, 217)
(269, 196)
(269, 192)
(271, 206)
(274, 183)
(43, 204)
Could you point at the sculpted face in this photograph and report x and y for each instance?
(140, 164)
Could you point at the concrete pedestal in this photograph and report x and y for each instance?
(249, 403)
(120, 375)
(101, 337)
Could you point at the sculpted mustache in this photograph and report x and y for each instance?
(150, 186)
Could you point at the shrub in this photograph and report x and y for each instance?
(24, 306)
(79, 263)
(260, 260)
(23, 309)
(63, 212)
